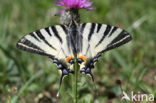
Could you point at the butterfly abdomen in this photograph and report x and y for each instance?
(75, 37)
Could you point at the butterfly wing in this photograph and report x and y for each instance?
(50, 41)
(99, 38)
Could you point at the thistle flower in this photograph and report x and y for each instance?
(74, 4)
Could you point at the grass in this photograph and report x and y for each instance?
(30, 78)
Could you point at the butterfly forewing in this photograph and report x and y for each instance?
(50, 41)
(99, 38)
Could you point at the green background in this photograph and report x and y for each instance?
(29, 78)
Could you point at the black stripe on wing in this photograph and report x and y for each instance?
(114, 29)
(91, 31)
(56, 34)
(48, 31)
(64, 29)
(28, 46)
(82, 28)
(99, 27)
(123, 38)
(106, 32)
(39, 34)
(33, 35)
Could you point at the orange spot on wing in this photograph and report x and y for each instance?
(68, 59)
(82, 57)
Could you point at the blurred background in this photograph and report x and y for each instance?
(29, 78)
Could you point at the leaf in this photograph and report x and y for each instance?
(120, 60)
(35, 76)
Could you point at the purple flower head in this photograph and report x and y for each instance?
(74, 4)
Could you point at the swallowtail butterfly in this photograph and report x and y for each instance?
(60, 42)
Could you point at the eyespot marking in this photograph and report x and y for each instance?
(68, 59)
(82, 57)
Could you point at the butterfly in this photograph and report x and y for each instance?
(88, 40)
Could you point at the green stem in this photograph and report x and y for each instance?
(73, 14)
(75, 78)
